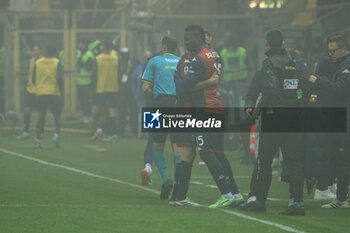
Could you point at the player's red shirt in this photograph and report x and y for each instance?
(196, 69)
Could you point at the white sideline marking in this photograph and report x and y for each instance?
(14, 205)
(78, 171)
(283, 227)
(209, 177)
(277, 225)
(195, 182)
(211, 186)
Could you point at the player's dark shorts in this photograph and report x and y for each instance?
(53, 102)
(185, 139)
(164, 101)
(106, 99)
(210, 142)
(30, 99)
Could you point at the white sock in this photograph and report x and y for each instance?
(251, 199)
(228, 195)
(148, 168)
(237, 195)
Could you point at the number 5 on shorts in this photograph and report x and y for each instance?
(200, 142)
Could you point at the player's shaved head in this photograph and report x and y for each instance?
(194, 38)
(196, 29)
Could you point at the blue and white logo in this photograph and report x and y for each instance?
(151, 120)
(290, 84)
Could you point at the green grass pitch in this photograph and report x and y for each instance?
(82, 189)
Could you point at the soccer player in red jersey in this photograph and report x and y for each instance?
(194, 71)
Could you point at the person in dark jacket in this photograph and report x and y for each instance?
(338, 86)
(308, 143)
(325, 171)
(280, 78)
(254, 91)
(252, 113)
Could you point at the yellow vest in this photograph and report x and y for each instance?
(113, 52)
(234, 64)
(107, 73)
(30, 85)
(46, 76)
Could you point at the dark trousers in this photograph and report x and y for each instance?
(326, 162)
(44, 102)
(84, 96)
(336, 164)
(269, 143)
(148, 153)
(268, 146)
(342, 173)
(2, 94)
(253, 180)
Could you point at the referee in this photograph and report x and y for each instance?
(158, 81)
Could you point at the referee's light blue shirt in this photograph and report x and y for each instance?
(160, 72)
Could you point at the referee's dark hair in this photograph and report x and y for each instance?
(339, 39)
(170, 43)
(198, 29)
(275, 38)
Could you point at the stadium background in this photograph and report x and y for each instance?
(139, 25)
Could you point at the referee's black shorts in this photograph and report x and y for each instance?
(164, 101)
